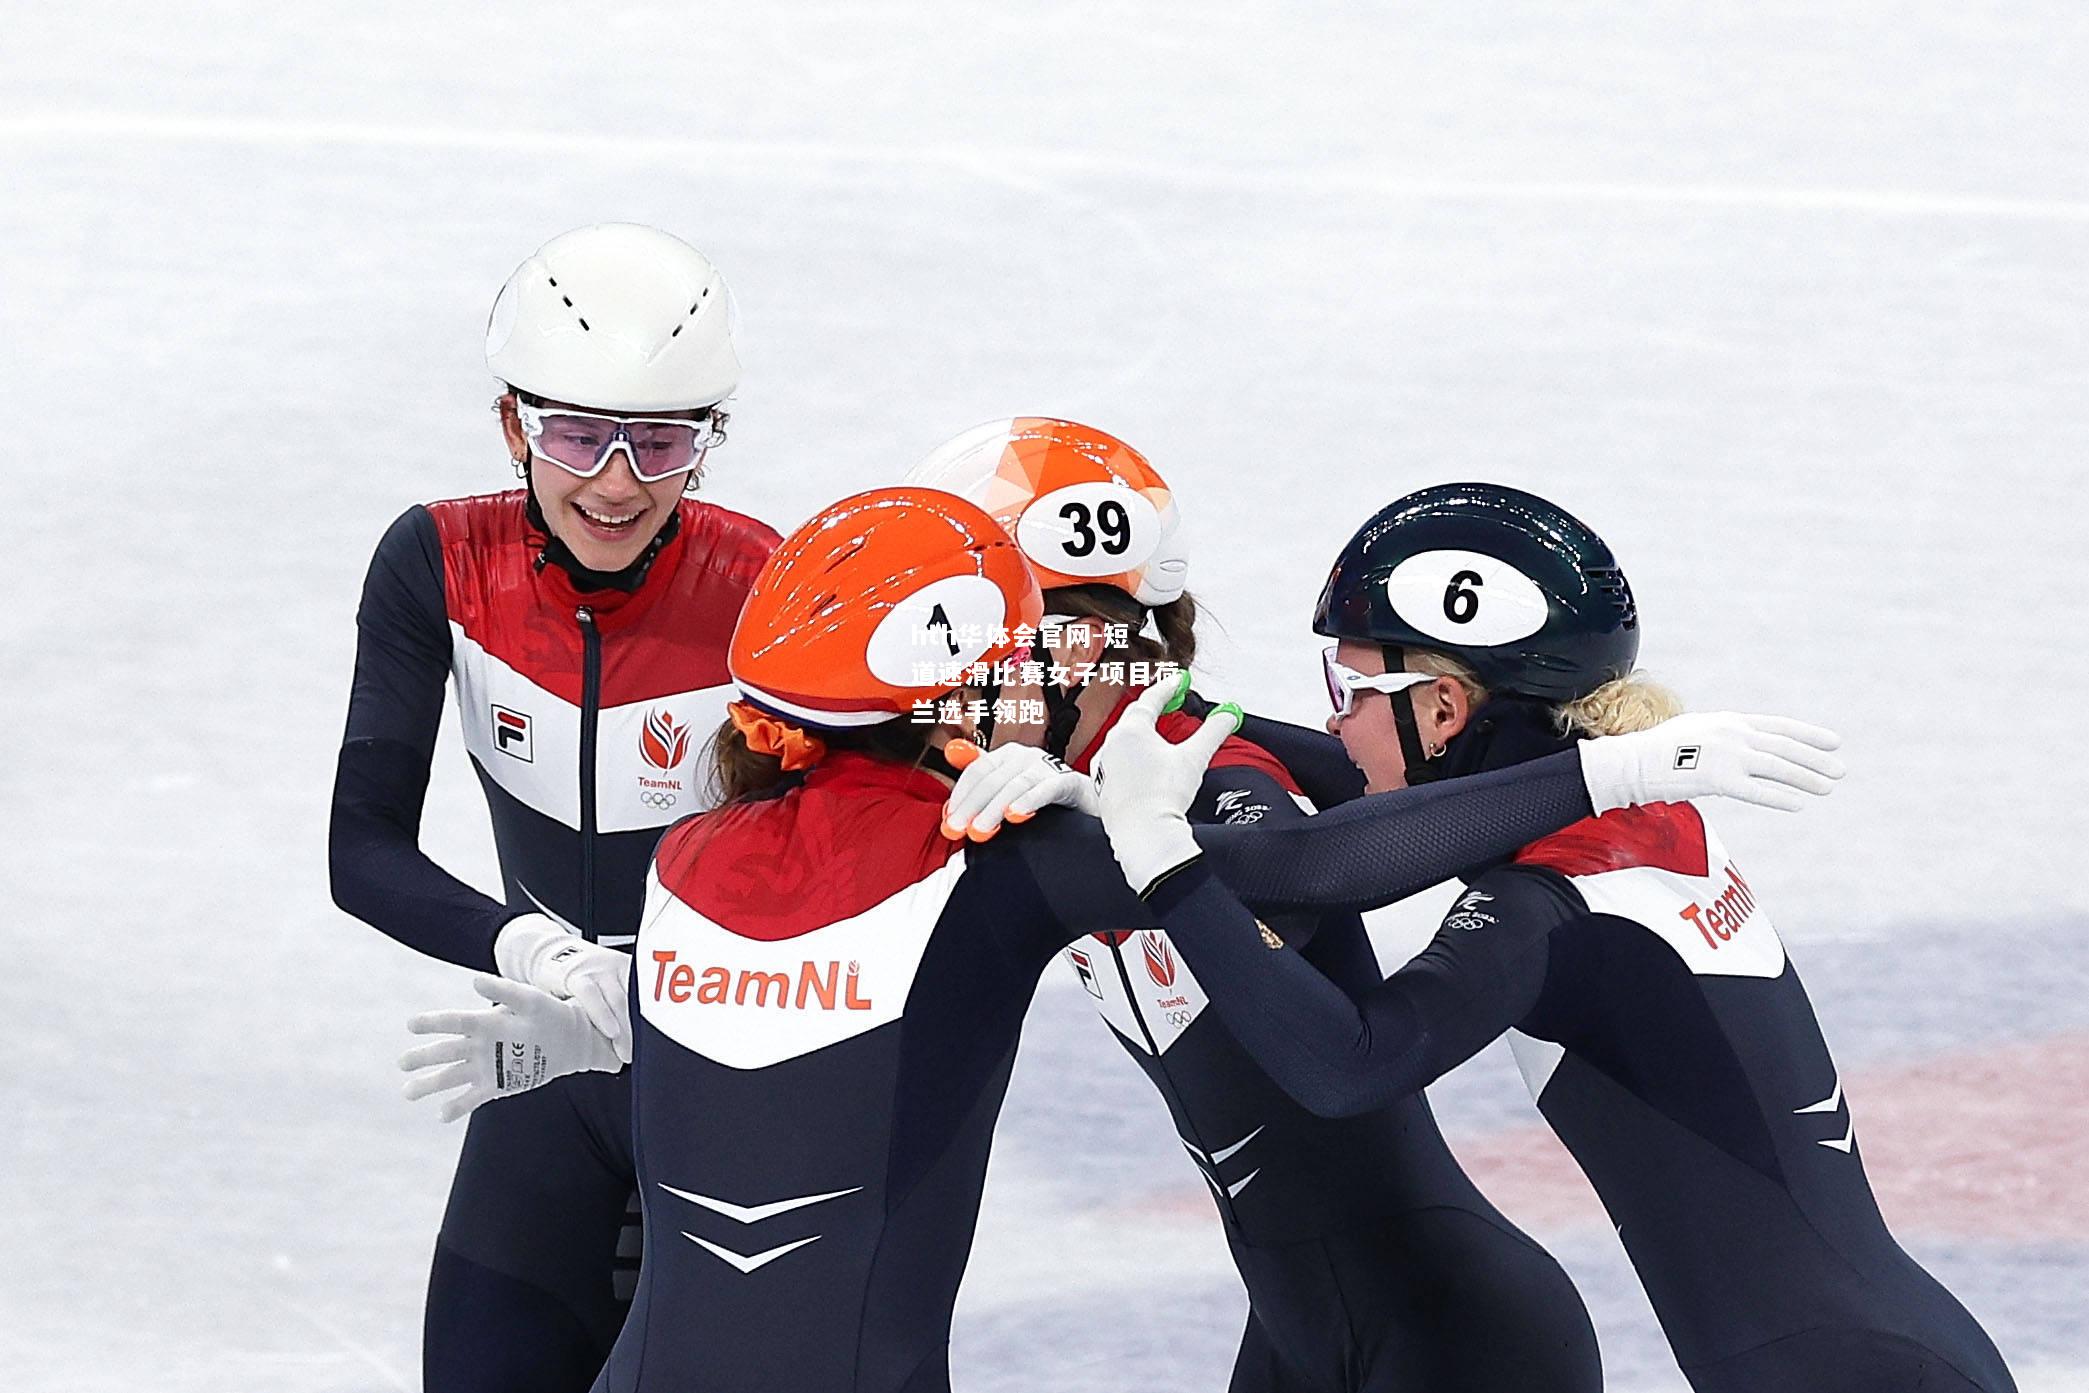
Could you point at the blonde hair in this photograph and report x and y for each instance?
(1618, 707)
(1444, 665)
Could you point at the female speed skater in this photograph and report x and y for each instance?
(1634, 966)
(583, 620)
(829, 991)
(1370, 1260)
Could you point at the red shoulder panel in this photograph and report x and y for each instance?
(730, 544)
(1235, 753)
(1665, 836)
(1176, 727)
(673, 635)
(492, 592)
(669, 636)
(487, 547)
(857, 832)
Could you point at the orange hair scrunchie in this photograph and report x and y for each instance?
(766, 735)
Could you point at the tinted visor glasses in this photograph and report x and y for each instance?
(1344, 682)
(581, 442)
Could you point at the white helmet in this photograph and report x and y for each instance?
(620, 317)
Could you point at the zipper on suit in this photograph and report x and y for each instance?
(590, 715)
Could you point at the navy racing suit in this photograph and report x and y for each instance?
(585, 712)
(827, 999)
(1372, 1263)
(1668, 1041)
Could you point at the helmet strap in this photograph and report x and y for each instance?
(984, 735)
(1062, 715)
(1420, 768)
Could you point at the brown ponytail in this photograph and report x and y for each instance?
(737, 771)
(1175, 621)
(742, 773)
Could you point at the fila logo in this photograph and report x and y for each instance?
(1160, 959)
(1720, 920)
(1085, 970)
(511, 734)
(718, 986)
(1686, 756)
(662, 742)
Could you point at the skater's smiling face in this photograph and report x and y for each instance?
(1370, 733)
(606, 521)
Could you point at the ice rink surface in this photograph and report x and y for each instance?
(1787, 300)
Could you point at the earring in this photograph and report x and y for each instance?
(1435, 751)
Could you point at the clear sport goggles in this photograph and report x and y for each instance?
(1344, 682)
(581, 442)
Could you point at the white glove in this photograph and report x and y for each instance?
(1773, 761)
(1145, 783)
(524, 1040)
(1011, 784)
(551, 958)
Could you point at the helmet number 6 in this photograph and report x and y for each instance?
(1461, 598)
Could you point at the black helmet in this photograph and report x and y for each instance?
(1511, 585)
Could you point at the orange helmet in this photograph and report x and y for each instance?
(860, 612)
(1085, 507)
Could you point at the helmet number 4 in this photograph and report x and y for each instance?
(1110, 517)
(1461, 598)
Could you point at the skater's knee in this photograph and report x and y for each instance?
(488, 1332)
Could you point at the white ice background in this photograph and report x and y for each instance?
(1786, 299)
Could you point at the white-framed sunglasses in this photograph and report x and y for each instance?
(581, 442)
(1344, 682)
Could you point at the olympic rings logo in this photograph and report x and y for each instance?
(653, 798)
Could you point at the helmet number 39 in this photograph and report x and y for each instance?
(1110, 517)
(1092, 529)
